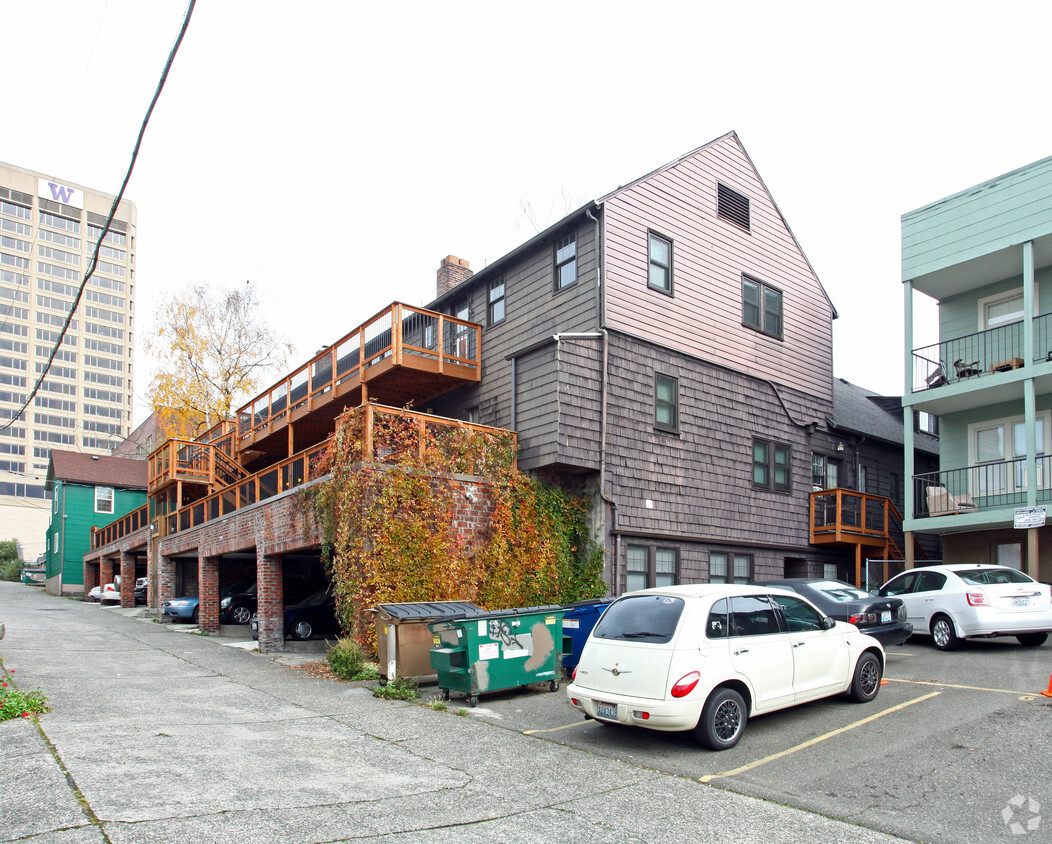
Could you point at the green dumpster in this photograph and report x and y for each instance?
(498, 650)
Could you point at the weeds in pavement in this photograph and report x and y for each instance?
(400, 688)
(15, 703)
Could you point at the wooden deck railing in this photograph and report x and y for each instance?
(191, 461)
(440, 343)
(856, 518)
(120, 528)
(386, 434)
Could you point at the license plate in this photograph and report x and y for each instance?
(885, 617)
(1020, 602)
(606, 710)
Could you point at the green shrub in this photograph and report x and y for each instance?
(10, 565)
(348, 662)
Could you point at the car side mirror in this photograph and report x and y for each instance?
(828, 623)
(874, 593)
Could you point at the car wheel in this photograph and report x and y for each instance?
(240, 614)
(943, 633)
(1032, 640)
(194, 617)
(866, 682)
(722, 720)
(302, 630)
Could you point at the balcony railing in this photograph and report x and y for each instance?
(194, 462)
(408, 336)
(844, 515)
(386, 434)
(120, 528)
(983, 353)
(987, 486)
(289, 473)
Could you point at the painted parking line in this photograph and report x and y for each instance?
(818, 739)
(580, 723)
(952, 686)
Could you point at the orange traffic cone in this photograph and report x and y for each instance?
(1049, 692)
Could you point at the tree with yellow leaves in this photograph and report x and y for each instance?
(213, 348)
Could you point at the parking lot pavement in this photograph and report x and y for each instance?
(162, 736)
(940, 755)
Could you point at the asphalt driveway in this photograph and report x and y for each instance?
(159, 735)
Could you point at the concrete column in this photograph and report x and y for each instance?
(127, 579)
(270, 603)
(91, 577)
(165, 580)
(208, 593)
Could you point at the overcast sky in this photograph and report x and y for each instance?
(334, 152)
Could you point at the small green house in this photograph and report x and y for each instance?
(87, 490)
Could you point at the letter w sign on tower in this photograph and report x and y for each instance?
(60, 193)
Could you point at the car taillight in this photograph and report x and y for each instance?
(573, 675)
(978, 599)
(685, 684)
(864, 618)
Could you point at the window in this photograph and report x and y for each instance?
(733, 206)
(829, 571)
(647, 566)
(1009, 554)
(997, 450)
(925, 422)
(1002, 309)
(729, 568)
(659, 252)
(771, 465)
(718, 624)
(496, 301)
(565, 261)
(761, 307)
(103, 499)
(54, 543)
(800, 617)
(666, 403)
(823, 473)
(753, 615)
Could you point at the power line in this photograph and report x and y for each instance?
(109, 220)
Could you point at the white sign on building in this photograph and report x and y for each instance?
(60, 193)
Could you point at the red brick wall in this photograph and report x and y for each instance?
(91, 577)
(208, 594)
(127, 579)
(270, 603)
(165, 579)
(105, 572)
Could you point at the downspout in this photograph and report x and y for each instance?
(601, 309)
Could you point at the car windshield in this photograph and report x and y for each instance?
(983, 577)
(642, 618)
(839, 591)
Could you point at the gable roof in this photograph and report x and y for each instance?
(498, 265)
(862, 411)
(95, 470)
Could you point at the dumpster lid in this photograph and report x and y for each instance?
(428, 610)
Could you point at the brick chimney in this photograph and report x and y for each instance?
(451, 272)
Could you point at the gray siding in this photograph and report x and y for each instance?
(700, 480)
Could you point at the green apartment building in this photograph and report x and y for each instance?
(87, 490)
(985, 256)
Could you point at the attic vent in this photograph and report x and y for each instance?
(732, 205)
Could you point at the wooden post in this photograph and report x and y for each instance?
(858, 566)
(396, 334)
(367, 439)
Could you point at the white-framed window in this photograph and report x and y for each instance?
(829, 571)
(1003, 308)
(54, 542)
(997, 450)
(103, 499)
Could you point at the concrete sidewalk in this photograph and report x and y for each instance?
(157, 735)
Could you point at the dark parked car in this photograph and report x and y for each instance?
(238, 604)
(882, 618)
(313, 616)
(185, 608)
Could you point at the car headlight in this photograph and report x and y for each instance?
(179, 604)
(224, 603)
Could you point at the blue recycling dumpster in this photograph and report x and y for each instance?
(578, 621)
